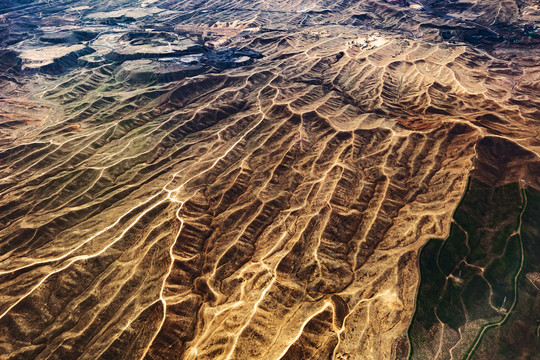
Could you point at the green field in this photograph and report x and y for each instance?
(468, 284)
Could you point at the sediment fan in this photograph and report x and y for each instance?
(269, 179)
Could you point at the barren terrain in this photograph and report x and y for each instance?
(259, 179)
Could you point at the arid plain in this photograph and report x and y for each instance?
(269, 179)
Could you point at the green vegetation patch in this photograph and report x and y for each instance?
(468, 280)
(518, 337)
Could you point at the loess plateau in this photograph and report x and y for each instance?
(269, 179)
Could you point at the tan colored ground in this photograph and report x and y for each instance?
(271, 211)
(35, 58)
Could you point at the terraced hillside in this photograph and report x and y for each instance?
(261, 180)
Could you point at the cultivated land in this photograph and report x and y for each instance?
(269, 179)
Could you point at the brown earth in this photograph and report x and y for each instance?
(266, 200)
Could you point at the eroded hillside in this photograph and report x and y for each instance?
(257, 179)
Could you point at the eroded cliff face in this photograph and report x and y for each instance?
(234, 180)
